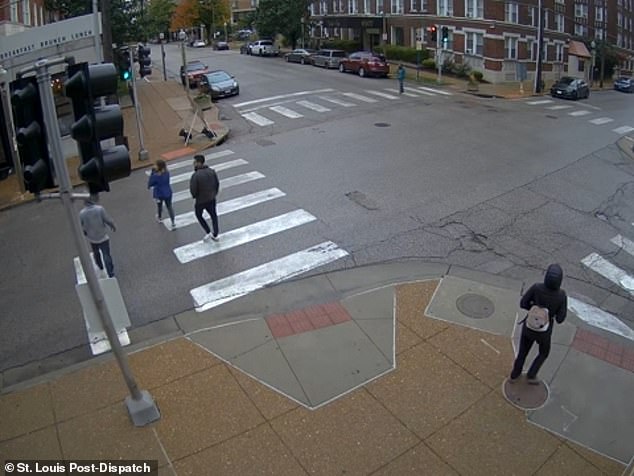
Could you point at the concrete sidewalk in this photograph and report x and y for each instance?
(389, 369)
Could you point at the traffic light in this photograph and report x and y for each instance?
(125, 65)
(94, 123)
(444, 35)
(433, 33)
(30, 134)
(145, 63)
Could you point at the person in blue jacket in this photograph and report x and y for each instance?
(400, 75)
(159, 181)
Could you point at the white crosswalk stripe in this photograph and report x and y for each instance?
(418, 91)
(232, 287)
(245, 234)
(188, 163)
(313, 106)
(359, 97)
(624, 244)
(541, 101)
(380, 94)
(436, 91)
(224, 183)
(257, 119)
(579, 113)
(611, 272)
(405, 93)
(245, 201)
(284, 111)
(337, 101)
(174, 179)
(600, 120)
(623, 129)
(558, 107)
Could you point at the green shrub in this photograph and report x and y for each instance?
(403, 54)
(429, 63)
(477, 75)
(348, 46)
(461, 70)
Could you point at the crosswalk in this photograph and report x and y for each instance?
(579, 112)
(268, 111)
(307, 257)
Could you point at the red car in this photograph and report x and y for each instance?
(195, 70)
(365, 63)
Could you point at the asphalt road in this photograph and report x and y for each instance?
(502, 186)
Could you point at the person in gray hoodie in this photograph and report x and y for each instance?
(204, 186)
(94, 219)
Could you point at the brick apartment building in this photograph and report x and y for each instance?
(496, 37)
(17, 16)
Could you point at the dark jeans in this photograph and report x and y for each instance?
(103, 248)
(400, 86)
(526, 342)
(168, 205)
(211, 209)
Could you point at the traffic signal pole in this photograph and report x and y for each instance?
(143, 153)
(140, 404)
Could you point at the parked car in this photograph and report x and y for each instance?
(195, 69)
(199, 43)
(219, 84)
(245, 48)
(365, 63)
(300, 55)
(328, 58)
(625, 84)
(264, 48)
(221, 45)
(569, 87)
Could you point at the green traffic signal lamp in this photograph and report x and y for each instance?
(125, 74)
(125, 66)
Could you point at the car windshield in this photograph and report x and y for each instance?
(566, 80)
(195, 66)
(624, 78)
(218, 76)
(338, 54)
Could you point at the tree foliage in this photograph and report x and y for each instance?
(282, 17)
(185, 15)
(159, 16)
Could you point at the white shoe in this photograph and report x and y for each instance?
(215, 238)
(207, 237)
(173, 226)
(158, 219)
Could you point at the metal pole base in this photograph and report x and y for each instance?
(142, 411)
(143, 154)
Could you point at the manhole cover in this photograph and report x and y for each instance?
(524, 395)
(475, 306)
(381, 124)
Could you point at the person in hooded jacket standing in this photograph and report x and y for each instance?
(550, 296)
(204, 186)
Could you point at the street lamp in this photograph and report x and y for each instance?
(593, 46)
(225, 32)
(183, 36)
(301, 20)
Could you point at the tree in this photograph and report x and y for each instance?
(281, 17)
(213, 13)
(185, 15)
(69, 8)
(159, 15)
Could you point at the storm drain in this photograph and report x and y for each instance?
(475, 306)
(381, 124)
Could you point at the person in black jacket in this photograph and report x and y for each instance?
(548, 295)
(204, 186)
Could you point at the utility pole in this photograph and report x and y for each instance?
(603, 40)
(540, 42)
(438, 57)
(106, 31)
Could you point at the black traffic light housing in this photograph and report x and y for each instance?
(145, 63)
(94, 123)
(445, 34)
(433, 33)
(125, 65)
(30, 134)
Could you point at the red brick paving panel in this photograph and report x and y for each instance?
(299, 321)
(279, 325)
(307, 319)
(603, 349)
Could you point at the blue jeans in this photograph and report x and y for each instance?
(103, 248)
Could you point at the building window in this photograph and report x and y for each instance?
(413, 6)
(445, 8)
(352, 6)
(474, 8)
(14, 12)
(581, 10)
(559, 53)
(531, 49)
(619, 19)
(366, 7)
(323, 7)
(546, 24)
(581, 30)
(598, 33)
(473, 43)
(397, 7)
(581, 65)
(26, 12)
(423, 6)
(532, 16)
(510, 12)
(559, 22)
(510, 47)
(599, 14)
(379, 7)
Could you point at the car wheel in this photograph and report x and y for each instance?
(341, 68)
(302, 61)
(575, 96)
(362, 72)
(261, 54)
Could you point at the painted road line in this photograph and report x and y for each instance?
(404, 93)
(579, 113)
(232, 287)
(624, 244)
(257, 119)
(188, 162)
(380, 94)
(284, 111)
(245, 234)
(559, 107)
(418, 91)
(224, 183)
(537, 103)
(218, 167)
(228, 206)
(599, 318)
(336, 101)
(282, 96)
(313, 106)
(600, 120)
(623, 129)
(359, 97)
(609, 271)
(437, 91)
